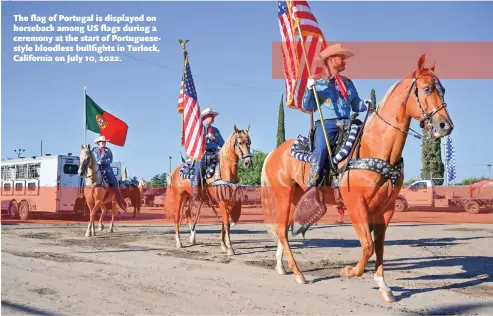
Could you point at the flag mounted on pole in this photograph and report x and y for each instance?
(450, 159)
(294, 62)
(102, 122)
(193, 136)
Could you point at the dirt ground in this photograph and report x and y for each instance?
(49, 267)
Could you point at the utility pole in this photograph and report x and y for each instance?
(41, 148)
(489, 171)
(169, 165)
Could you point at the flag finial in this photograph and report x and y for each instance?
(183, 43)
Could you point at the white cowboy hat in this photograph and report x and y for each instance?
(100, 139)
(208, 111)
(332, 50)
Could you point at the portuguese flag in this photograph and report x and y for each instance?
(101, 122)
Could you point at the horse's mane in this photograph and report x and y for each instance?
(387, 94)
(227, 146)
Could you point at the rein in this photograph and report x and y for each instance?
(426, 117)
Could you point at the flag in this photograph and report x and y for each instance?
(101, 122)
(193, 136)
(450, 158)
(125, 176)
(294, 62)
(180, 98)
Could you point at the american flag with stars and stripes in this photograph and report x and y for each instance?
(295, 70)
(180, 97)
(450, 158)
(193, 136)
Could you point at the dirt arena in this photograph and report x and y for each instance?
(49, 267)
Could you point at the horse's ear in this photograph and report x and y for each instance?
(81, 146)
(236, 129)
(421, 62)
(248, 128)
(88, 146)
(432, 68)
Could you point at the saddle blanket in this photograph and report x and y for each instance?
(301, 147)
(188, 170)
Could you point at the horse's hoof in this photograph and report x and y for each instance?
(88, 234)
(387, 296)
(280, 269)
(111, 230)
(230, 252)
(345, 272)
(224, 248)
(179, 245)
(192, 242)
(300, 279)
(101, 227)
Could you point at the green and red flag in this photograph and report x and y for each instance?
(101, 122)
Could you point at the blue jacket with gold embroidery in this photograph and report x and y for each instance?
(217, 142)
(331, 101)
(104, 156)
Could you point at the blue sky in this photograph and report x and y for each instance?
(230, 42)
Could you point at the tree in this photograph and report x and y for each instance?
(159, 181)
(281, 138)
(252, 176)
(468, 181)
(431, 161)
(373, 97)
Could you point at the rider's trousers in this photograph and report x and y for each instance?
(320, 154)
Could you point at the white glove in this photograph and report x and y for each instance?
(310, 83)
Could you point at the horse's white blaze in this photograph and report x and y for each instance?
(381, 283)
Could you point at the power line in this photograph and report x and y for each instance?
(174, 69)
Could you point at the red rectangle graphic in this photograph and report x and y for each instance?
(396, 60)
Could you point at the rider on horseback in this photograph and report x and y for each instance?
(104, 158)
(337, 96)
(214, 142)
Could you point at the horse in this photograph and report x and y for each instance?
(362, 189)
(96, 191)
(223, 188)
(133, 193)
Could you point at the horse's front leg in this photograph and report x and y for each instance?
(226, 227)
(91, 220)
(380, 226)
(358, 212)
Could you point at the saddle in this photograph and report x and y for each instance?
(303, 147)
(211, 164)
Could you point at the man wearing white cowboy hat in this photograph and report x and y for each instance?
(337, 97)
(104, 158)
(214, 142)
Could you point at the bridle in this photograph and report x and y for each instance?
(236, 146)
(426, 117)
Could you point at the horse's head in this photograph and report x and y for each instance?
(85, 157)
(242, 146)
(428, 105)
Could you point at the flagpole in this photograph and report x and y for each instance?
(315, 95)
(446, 165)
(85, 117)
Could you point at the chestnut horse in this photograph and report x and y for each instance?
(367, 195)
(95, 192)
(223, 190)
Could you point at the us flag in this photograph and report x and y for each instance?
(180, 97)
(193, 137)
(295, 70)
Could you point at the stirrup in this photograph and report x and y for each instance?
(301, 228)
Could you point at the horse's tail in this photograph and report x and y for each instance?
(268, 203)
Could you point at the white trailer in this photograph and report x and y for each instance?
(46, 184)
